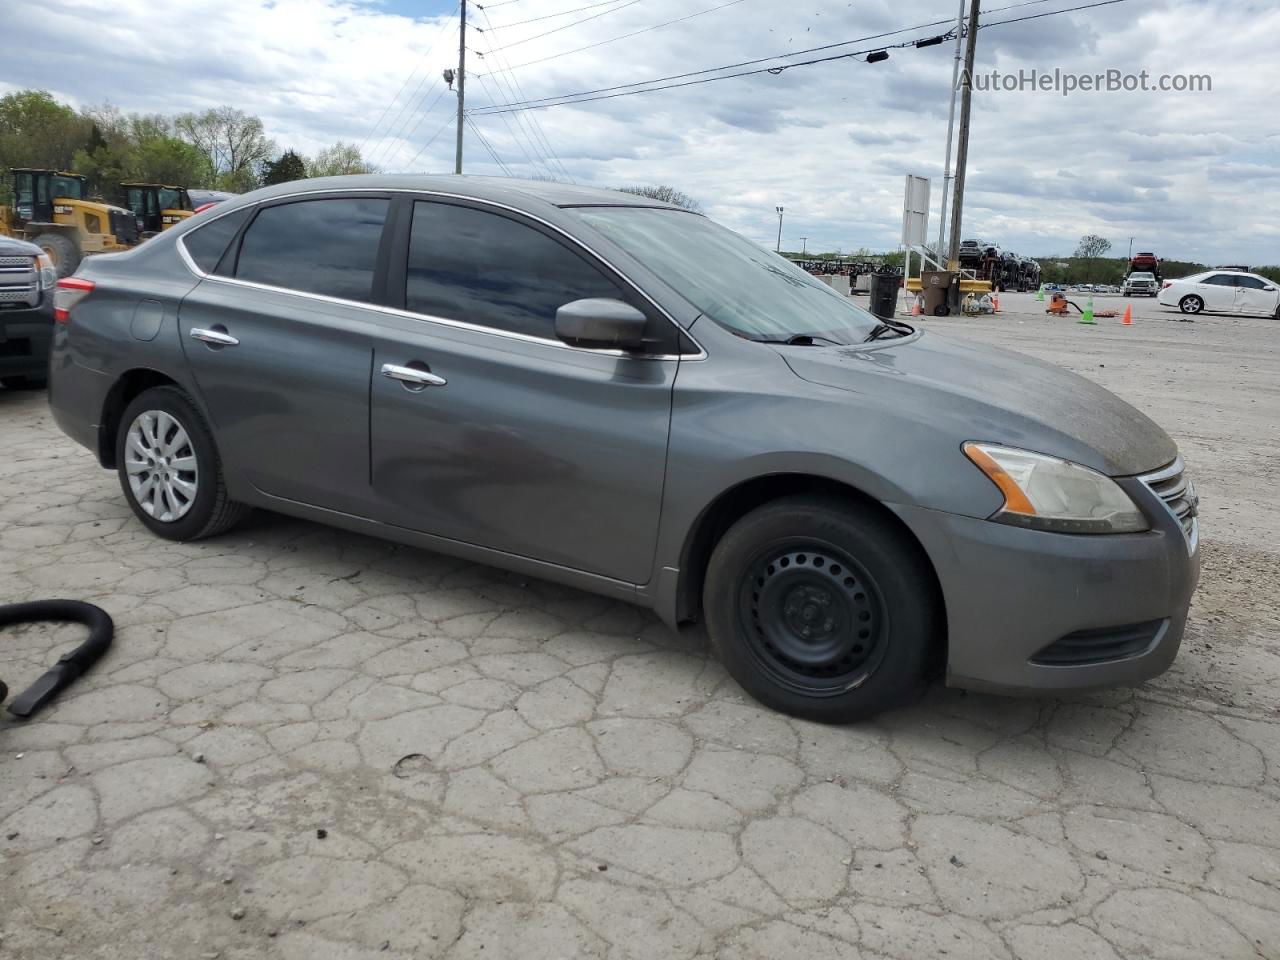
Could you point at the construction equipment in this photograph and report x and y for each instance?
(157, 206)
(51, 210)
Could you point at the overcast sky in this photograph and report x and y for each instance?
(1188, 175)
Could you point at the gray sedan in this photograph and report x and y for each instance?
(606, 391)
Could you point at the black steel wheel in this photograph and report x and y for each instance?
(823, 608)
(813, 617)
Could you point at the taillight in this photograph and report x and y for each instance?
(69, 292)
(204, 206)
(1166, 285)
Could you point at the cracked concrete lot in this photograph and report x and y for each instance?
(308, 744)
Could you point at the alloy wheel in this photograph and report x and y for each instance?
(161, 465)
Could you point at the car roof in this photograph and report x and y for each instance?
(510, 190)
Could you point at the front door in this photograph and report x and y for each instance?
(507, 438)
(1218, 292)
(1254, 295)
(281, 344)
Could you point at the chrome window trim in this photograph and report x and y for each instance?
(445, 321)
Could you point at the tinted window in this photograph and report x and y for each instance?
(1220, 280)
(1252, 282)
(207, 244)
(478, 267)
(316, 246)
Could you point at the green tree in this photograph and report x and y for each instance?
(38, 131)
(667, 195)
(338, 160)
(289, 167)
(232, 143)
(1090, 248)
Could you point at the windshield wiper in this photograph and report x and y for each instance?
(884, 327)
(800, 340)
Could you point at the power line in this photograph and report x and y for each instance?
(731, 66)
(396, 129)
(539, 36)
(515, 133)
(515, 90)
(660, 83)
(435, 136)
(1047, 13)
(387, 108)
(636, 33)
(548, 16)
(485, 143)
(421, 117)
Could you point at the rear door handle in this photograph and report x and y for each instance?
(217, 337)
(412, 376)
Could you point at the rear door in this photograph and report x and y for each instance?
(1218, 292)
(279, 340)
(514, 440)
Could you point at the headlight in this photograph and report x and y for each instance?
(1046, 493)
(48, 273)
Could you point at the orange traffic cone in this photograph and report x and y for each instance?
(1127, 319)
(915, 306)
(995, 303)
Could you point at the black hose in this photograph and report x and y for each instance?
(71, 665)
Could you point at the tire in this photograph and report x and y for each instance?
(196, 504)
(64, 252)
(822, 610)
(1191, 304)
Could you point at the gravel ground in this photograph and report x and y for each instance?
(306, 743)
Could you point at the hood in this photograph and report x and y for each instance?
(13, 247)
(988, 394)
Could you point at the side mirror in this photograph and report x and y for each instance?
(601, 323)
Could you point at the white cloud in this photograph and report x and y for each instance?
(1187, 174)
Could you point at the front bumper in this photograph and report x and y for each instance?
(24, 340)
(1010, 593)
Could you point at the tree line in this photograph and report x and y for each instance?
(219, 149)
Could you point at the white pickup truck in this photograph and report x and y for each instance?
(1141, 284)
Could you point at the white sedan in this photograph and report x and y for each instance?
(1222, 291)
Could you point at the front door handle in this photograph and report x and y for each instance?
(412, 376)
(219, 338)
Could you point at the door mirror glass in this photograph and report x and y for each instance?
(601, 323)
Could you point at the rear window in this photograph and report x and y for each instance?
(207, 244)
(328, 247)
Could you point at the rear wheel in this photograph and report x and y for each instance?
(822, 610)
(170, 470)
(1191, 304)
(62, 250)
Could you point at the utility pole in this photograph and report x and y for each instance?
(778, 248)
(804, 246)
(962, 148)
(1131, 249)
(951, 122)
(462, 82)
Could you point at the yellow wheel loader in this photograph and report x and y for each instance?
(156, 206)
(50, 209)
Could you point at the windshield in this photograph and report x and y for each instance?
(172, 199)
(1141, 276)
(68, 187)
(745, 289)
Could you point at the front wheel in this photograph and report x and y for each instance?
(822, 609)
(170, 470)
(1191, 304)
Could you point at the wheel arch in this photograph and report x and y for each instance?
(127, 386)
(739, 500)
